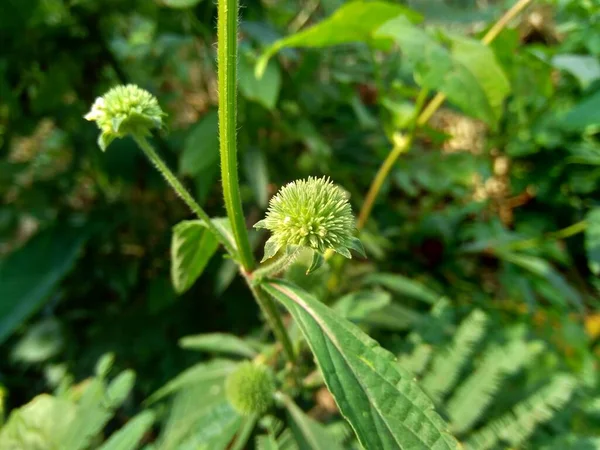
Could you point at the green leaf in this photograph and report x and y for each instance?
(201, 147)
(404, 286)
(481, 62)
(192, 246)
(42, 341)
(218, 343)
(478, 91)
(584, 114)
(266, 442)
(352, 22)
(257, 175)
(30, 274)
(359, 305)
(212, 373)
(119, 388)
(585, 68)
(317, 261)
(263, 89)
(308, 433)
(385, 407)
(592, 240)
(180, 4)
(128, 437)
(542, 268)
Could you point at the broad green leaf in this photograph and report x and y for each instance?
(456, 75)
(584, 114)
(592, 240)
(480, 61)
(585, 68)
(255, 167)
(264, 89)
(192, 246)
(119, 388)
(30, 274)
(542, 268)
(352, 22)
(218, 343)
(128, 437)
(308, 433)
(385, 407)
(404, 286)
(209, 374)
(201, 147)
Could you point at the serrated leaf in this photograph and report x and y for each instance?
(404, 286)
(201, 147)
(456, 75)
(385, 407)
(592, 240)
(128, 437)
(218, 343)
(263, 89)
(192, 246)
(308, 433)
(30, 274)
(207, 374)
(352, 22)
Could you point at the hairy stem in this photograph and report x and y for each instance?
(227, 67)
(425, 115)
(273, 319)
(181, 191)
(273, 268)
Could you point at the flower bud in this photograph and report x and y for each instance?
(313, 213)
(250, 388)
(125, 110)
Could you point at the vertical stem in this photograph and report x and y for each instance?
(274, 319)
(180, 190)
(427, 113)
(227, 67)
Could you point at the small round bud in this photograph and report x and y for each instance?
(125, 110)
(250, 388)
(313, 213)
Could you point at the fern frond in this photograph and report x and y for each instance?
(516, 426)
(448, 364)
(286, 440)
(472, 397)
(266, 442)
(416, 361)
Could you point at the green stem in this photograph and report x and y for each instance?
(180, 190)
(274, 319)
(227, 66)
(244, 433)
(563, 233)
(275, 267)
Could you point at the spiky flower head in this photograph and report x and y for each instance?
(313, 213)
(250, 388)
(125, 110)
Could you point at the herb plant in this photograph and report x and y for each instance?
(491, 342)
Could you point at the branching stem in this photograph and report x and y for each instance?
(424, 117)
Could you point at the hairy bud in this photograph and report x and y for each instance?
(250, 388)
(313, 213)
(125, 110)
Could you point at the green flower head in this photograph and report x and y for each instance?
(250, 388)
(125, 110)
(313, 213)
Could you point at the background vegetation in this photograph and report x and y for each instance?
(483, 245)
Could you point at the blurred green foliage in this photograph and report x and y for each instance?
(494, 211)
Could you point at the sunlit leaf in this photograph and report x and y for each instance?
(218, 343)
(385, 407)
